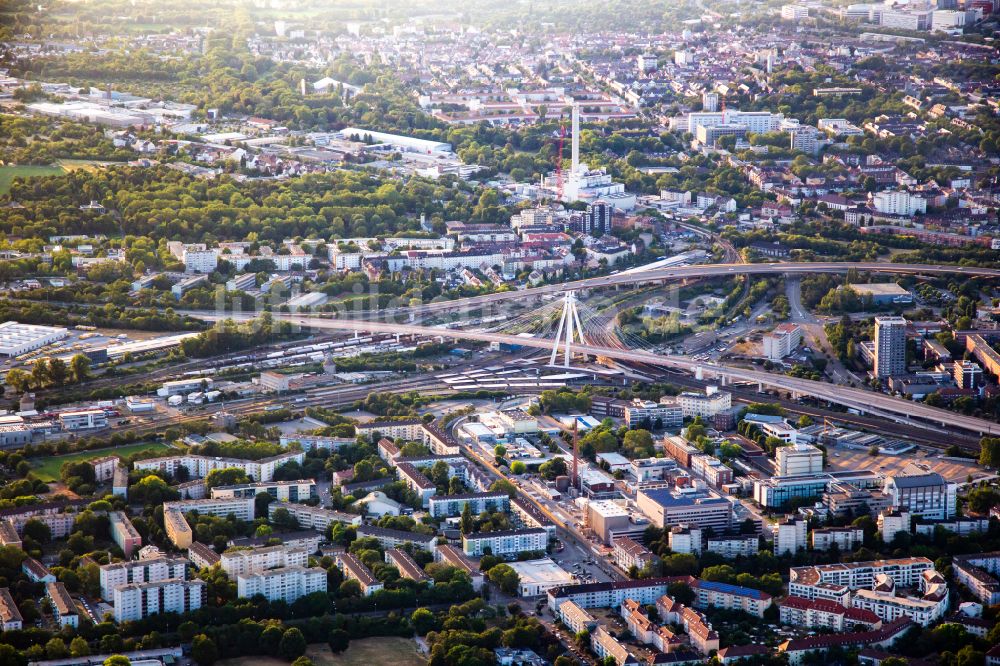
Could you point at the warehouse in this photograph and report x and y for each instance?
(17, 339)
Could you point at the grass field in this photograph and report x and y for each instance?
(47, 469)
(9, 173)
(364, 652)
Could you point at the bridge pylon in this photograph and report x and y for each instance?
(570, 329)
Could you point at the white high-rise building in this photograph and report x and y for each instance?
(138, 600)
(790, 536)
(782, 341)
(286, 583)
(152, 570)
(798, 459)
(899, 202)
(892, 522)
(890, 346)
(929, 496)
(260, 559)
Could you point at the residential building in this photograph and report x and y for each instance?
(968, 374)
(604, 595)
(136, 601)
(198, 467)
(706, 404)
(979, 573)
(354, 570)
(123, 533)
(149, 570)
(824, 614)
(791, 536)
(253, 560)
(845, 538)
(36, 571)
(605, 645)
(389, 538)
(575, 618)
(63, 607)
(782, 341)
(202, 556)
(629, 553)
(313, 517)
(731, 547)
(505, 543)
(892, 522)
(104, 468)
(10, 616)
(806, 581)
(890, 347)
(453, 505)
(454, 557)
(283, 491)
(656, 414)
(685, 539)
(711, 594)
(407, 566)
(286, 583)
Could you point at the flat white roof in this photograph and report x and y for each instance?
(544, 571)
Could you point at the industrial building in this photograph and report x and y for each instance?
(17, 339)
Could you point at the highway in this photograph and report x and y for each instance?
(865, 401)
(662, 275)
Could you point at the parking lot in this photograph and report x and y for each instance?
(918, 462)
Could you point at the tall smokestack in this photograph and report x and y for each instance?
(576, 138)
(576, 455)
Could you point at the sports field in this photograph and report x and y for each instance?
(47, 469)
(9, 173)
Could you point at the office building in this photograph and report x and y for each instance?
(83, 419)
(136, 601)
(639, 413)
(926, 496)
(790, 536)
(798, 459)
(666, 508)
(890, 347)
(284, 583)
(606, 518)
(794, 12)
(709, 135)
(968, 374)
(505, 543)
(706, 404)
(782, 341)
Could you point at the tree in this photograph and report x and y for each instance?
(423, 621)
(269, 640)
(553, 468)
(504, 577)
(18, 379)
(302, 661)
(78, 647)
(203, 650)
(518, 467)
(293, 644)
(79, 367)
(681, 592)
(468, 522)
(228, 476)
(58, 372)
(56, 649)
(339, 639)
(989, 452)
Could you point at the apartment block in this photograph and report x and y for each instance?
(845, 538)
(284, 583)
(505, 543)
(453, 505)
(389, 538)
(407, 566)
(354, 569)
(198, 467)
(313, 517)
(151, 570)
(283, 491)
(254, 560)
(136, 601)
(63, 607)
(123, 533)
(10, 616)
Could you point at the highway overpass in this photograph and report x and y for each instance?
(864, 401)
(668, 275)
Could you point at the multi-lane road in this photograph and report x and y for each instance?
(863, 400)
(405, 313)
